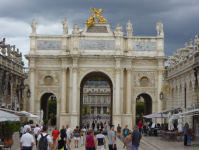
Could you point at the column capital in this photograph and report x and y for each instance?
(63, 69)
(160, 71)
(117, 70)
(128, 70)
(32, 69)
(74, 69)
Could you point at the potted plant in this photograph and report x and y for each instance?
(9, 128)
(31, 121)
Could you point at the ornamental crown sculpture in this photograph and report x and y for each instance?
(95, 18)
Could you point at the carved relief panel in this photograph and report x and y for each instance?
(139, 75)
(54, 74)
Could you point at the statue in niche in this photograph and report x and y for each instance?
(129, 28)
(180, 124)
(65, 27)
(33, 26)
(118, 30)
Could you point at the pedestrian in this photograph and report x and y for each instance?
(128, 141)
(118, 131)
(111, 138)
(125, 133)
(102, 126)
(140, 124)
(27, 141)
(44, 139)
(135, 138)
(188, 133)
(88, 125)
(62, 142)
(105, 126)
(77, 136)
(25, 127)
(100, 138)
(55, 134)
(98, 126)
(21, 131)
(90, 142)
(184, 129)
(83, 135)
(63, 127)
(93, 125)
(35, 132)
(145, 127)
(69, 132)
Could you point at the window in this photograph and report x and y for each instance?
(92, 99)
(99, 90)
(98, 99)
(104, 99)
(93, 90)
(85, 99)
(98, 110)
(104, 90)
(105, 110)
(9, 88)
(92, 110)
(85, 90)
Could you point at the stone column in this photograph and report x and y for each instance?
(178, 96)
(128, 92)
(160, 78)
(117, 89)
(74, 100)
(102, 111)
(70, 90)
(95, 111)
(63, 96)
(32, 89)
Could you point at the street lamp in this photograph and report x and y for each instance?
(161, 96)
(28, 93)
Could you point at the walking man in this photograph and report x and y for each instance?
(55, 134)
(111, 138)
(69, 132)
(140, 124)
(100, 138)
(93, 125)
(77, 136)
(44, 139)
(184, 129)
(125, 133)
(25, 127)
(35, 133)
(27, 141)
(118, 131)
(83, 130)
(136, 137)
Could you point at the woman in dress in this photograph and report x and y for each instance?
(128, 142)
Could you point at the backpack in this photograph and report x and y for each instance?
(43, 142)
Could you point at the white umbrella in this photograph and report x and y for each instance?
(3, 118)
(156, 115)
(9, 116)
(29, 114)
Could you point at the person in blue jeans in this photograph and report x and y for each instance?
(188, 133)
(136, 137)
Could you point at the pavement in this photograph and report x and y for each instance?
(147, 143)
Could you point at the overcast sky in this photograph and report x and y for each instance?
(179, 17)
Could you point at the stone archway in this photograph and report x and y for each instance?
(84, 79)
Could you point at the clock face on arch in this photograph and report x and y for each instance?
(144, 80)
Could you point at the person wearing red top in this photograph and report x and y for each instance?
(90, 142)
(140, 124)
(55, 134)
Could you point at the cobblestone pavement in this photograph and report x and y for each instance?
(147, 143)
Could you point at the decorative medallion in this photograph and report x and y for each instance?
(144, 80)
(48, 80)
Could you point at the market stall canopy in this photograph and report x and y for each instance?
(3, 118)
(173, 109)
(9, 116)
(28, 114)
(156, 115)
(190, 112)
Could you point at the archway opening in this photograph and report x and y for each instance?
(96, 98)
(143, 106)
(49, 107)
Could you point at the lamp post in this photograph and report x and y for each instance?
(28, 93)
(161, 96)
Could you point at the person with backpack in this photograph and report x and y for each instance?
(83, 135)
(90, 142)
(77, 136)
(62, 142)
(44, 139)
(100, 138)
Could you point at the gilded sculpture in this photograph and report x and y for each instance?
(95, 17)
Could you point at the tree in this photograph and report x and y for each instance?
(52, 108)
(84, 109)
(140, 109)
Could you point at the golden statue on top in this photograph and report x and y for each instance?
(95, 18)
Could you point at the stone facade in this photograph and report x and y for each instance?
(12, 76)
(84, 55)
(183, 76)
(97, 97)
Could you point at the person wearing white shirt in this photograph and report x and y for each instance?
(35, 133)
(27, 140)
(25, 127)
(69, 132)
(44, 133)
(83, 130)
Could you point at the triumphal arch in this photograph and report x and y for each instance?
(61, 65)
